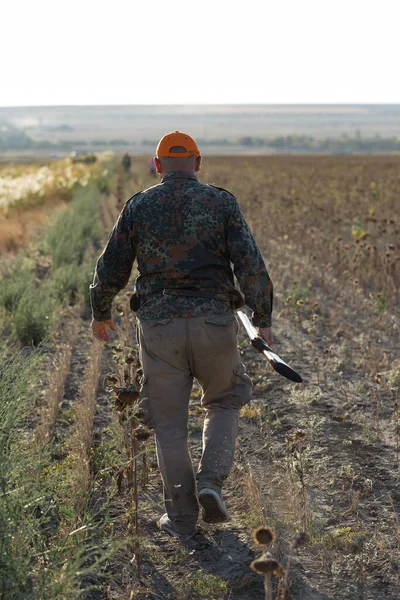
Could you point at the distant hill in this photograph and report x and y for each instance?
(11, 137)
(219, 128)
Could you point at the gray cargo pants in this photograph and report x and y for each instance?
(173, 352)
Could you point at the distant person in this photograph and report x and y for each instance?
(189, 239)
(152, 167)
(126, 162)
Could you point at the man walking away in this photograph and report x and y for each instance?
(126, 162)
(185, 235)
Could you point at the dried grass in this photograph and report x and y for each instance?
(80, 442)
(17, 229)
(55, 389)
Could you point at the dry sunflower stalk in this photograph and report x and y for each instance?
(267, 565)
(126, 403)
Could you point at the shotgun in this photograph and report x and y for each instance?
(273, 358)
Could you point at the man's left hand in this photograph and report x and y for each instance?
(99, 329)
(266, 334)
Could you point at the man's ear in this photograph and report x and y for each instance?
(158, 165)
(198, 163)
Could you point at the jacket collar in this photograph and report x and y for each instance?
(178, 175)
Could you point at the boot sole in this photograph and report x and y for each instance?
(212, 510)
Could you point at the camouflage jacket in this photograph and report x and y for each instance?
(187, 235)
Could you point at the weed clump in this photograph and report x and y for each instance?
(13, 286)
(33, 316)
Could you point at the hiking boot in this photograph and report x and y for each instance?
(214, 509)
(165, 524)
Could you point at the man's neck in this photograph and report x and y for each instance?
(179, 173)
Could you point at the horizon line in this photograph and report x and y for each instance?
(236, 104)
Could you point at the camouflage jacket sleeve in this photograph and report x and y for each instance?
(249, 268)
(113, 267)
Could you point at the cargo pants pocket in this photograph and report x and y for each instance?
(242, 385)
(221, 323)
(220, 319)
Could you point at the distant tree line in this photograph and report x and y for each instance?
(305, 143)
(343, 145)
(26, 143)
(16, 140)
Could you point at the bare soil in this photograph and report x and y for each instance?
(339, 483)
(320, 457)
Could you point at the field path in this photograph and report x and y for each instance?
(350, 486)
(322, 457)
(338, 480)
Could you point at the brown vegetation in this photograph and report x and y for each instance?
(322, 457)
(17, 229)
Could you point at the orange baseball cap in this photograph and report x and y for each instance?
(184, 144)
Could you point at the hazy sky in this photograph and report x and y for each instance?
(199, 52)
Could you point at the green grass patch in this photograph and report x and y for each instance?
(28, 304)
(75, 229)
(45, 552)
(14, 283)
(72, 282)
(34, 315)
(31, 304)
(18, 373)
(206, 585)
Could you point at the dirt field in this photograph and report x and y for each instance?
(320, 457)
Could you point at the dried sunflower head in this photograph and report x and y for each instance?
(263, 536)
(117, 348)
(110, 379)
(300, 539)
(110, 382)
(266, 564)
(142, 433)
(125, 396)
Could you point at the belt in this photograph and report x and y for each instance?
(234, 298)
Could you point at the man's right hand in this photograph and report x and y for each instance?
(100, 331)
(266, 334)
